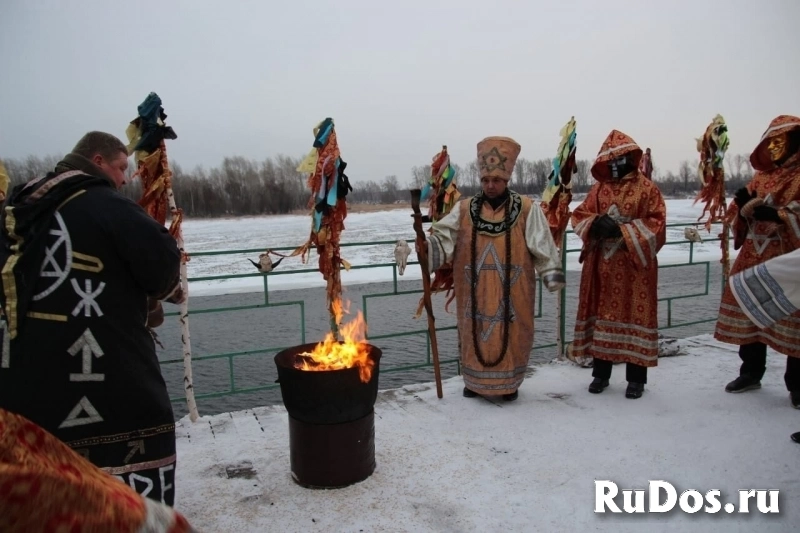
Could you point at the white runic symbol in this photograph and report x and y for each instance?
(50, 252)
(148, 483)
(87, 346)
(87, 302)
(5, 360)
(50, 265)
(72, 417)
(135, 446)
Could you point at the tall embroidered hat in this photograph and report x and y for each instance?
(760, 158)
(497, 157)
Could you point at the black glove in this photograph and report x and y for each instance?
(604, 227)
(742, 197)
(615, 232)
(766, 213)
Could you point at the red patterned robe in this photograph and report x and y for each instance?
(46, 486)
(763, 240)
(617, 313)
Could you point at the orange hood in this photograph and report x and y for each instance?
(615, 145)
(760, 158)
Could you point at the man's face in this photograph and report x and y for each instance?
(115, 168)
(777, 147)
(493, 186)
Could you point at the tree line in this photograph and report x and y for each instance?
(241, 186)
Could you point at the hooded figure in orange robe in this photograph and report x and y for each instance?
(766, 223)
(622, 223)
(497, 241)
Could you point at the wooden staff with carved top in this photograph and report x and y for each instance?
(426, 285)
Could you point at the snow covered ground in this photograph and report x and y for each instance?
(460, 464)
(259, 233)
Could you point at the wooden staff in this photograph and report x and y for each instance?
(426, 285)
(177, 232)
(724, 243)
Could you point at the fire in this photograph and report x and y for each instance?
(331, 354)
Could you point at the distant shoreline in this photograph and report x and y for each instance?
(362, 208)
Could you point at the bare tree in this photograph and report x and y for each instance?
(581, 177)
(390, 189)
(685, 173)
(420, 176)
(541, 171)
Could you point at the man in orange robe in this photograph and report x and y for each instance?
(622, 223)
(766, 224)
(496, 241)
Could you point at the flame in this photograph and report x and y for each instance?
(352, 351)
(338, 309)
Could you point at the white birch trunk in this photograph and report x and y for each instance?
(188, 385)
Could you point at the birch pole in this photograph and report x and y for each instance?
(146, 136)
(186, 340)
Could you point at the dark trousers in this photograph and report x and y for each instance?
(633, 372)
(754, 364)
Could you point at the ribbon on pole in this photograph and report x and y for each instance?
(442, 194)
(329, 188)
(555, 202)
(146, 135)
(712, 147)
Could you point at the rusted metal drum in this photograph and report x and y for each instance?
(331, 421)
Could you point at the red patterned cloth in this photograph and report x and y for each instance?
(764, 240)
(45, 486)
(327, 239)
(617, 313)
(646, 165)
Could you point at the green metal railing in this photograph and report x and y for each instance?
(230, 357)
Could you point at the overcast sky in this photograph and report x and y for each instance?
(400, 79)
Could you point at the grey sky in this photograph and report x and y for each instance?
(400, 79)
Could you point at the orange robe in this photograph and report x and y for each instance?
(45, 486)
(532, 250)
(618, 308)
(761, 241)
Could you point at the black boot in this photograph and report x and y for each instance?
(635, 390)
(743, 383)
(597, 386)
(511, 397)
(796, 437)
(469, 393)
(795, 396)
(754, 364)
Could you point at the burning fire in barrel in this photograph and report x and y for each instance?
(329, 390)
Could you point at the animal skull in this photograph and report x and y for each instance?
(265, 263)
(401, 252)
(691, 234)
